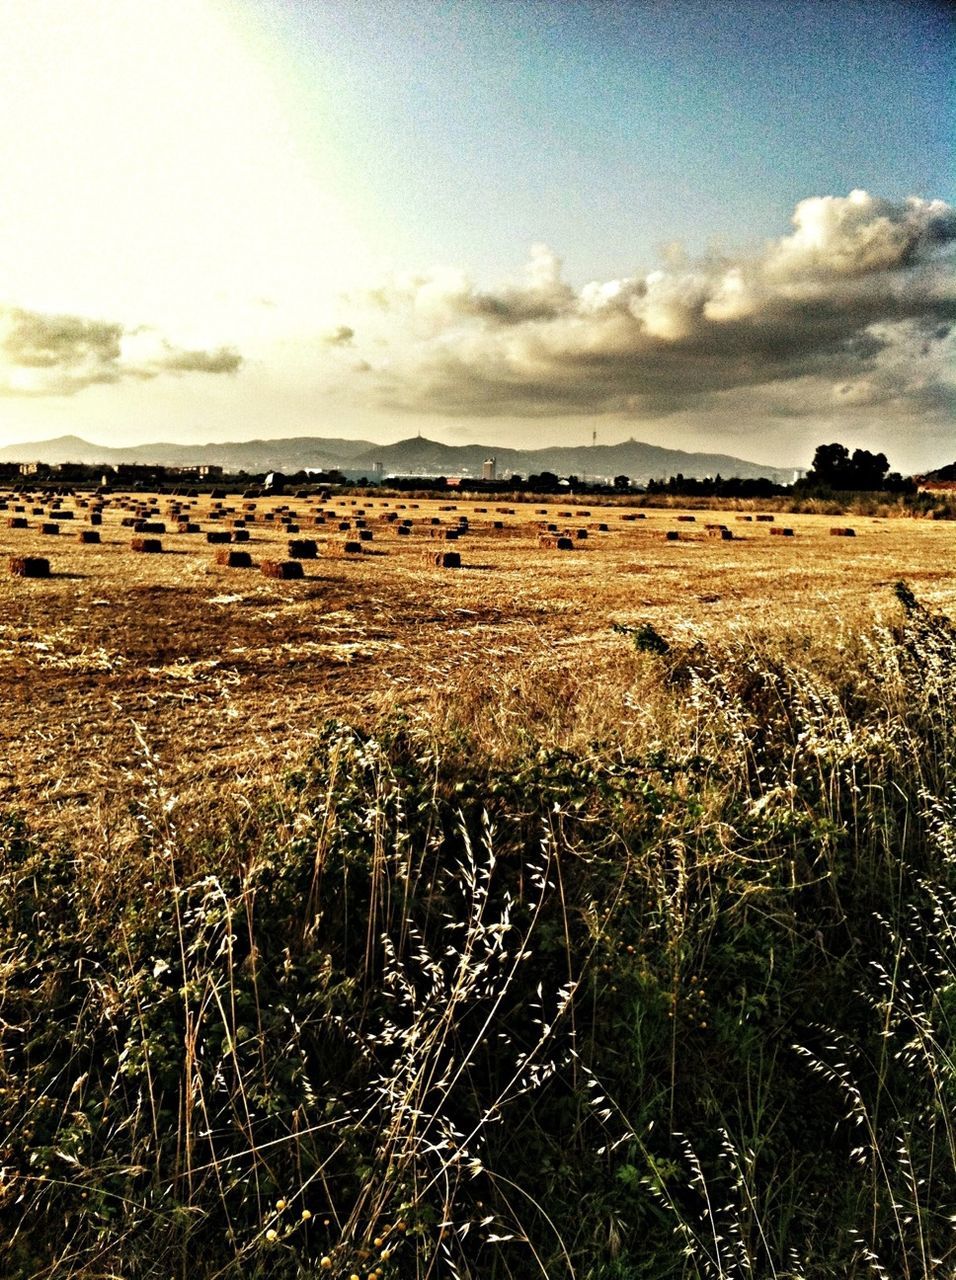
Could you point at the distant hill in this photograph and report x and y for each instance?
(942, 473)
(641, 462)
(246, 455)
(415, 456)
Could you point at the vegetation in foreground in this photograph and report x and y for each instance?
(464, 1001)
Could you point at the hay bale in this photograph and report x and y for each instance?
(764, 519)
(446, 559)
(403, 530)
(188, 526)
(88, 535)
(581, 534)
(348, 548)
(218, 535)
(843, 533)
(151, 546)
(781, 531)
(365, 535)
(672, 535)
(302, 549)
(498, 524)
(149, 526)
(18, 522)
(29, 567)
(50, 528)
(234, 559)
(720, 531)
(555, 544)
(241, 535)
(96, 517)
(687, 519)
(600, 527)
(282, 569)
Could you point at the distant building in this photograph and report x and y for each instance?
(489, 469)
(204, 471)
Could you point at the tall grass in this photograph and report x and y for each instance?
(657, 980)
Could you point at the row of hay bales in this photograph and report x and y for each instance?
(141, 516)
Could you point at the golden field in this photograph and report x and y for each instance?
(221, 673)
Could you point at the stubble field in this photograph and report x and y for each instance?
(581, 912)
(222, 674)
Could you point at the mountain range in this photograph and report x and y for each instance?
(414, 456)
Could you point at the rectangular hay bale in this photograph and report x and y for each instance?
(285, 569)
(29, 567)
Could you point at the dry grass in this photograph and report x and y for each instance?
(227, 676)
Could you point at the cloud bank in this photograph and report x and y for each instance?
(57, 355)
(854, 307)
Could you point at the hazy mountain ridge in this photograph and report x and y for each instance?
(632, 458)
(243, 455)
(415, 455)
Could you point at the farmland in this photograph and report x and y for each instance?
(577, 912)
(228, 673)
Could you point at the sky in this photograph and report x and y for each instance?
(704, 224)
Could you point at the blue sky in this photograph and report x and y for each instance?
(607, 129)
(708, 224)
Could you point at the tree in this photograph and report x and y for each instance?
(834, 468)
(869, 469)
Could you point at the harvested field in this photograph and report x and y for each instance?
(223, 676)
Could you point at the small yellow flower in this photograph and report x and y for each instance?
(272, 1234)
(280, 1205)
(306, 1214)
(326, 1263)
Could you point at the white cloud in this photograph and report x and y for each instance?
(56, 355)
(860, 294)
